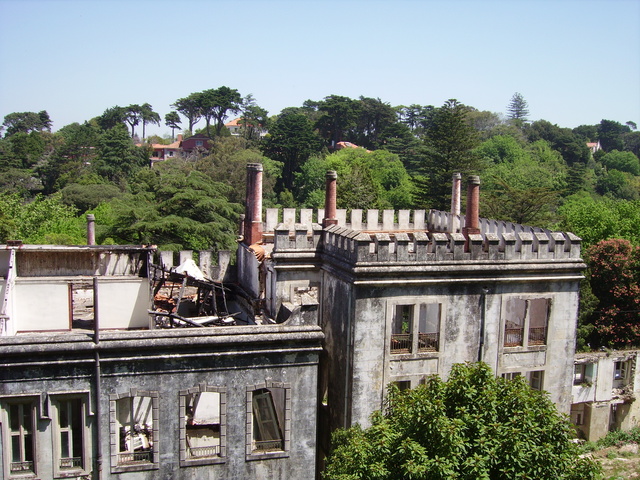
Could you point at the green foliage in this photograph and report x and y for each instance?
(87, 196)
(518, 109)
(473, 426)
(450, 142)
(118, 158)
(610, 135)
(615, 281)
(41, 221)
(26, 122)
(623, 161)
(594, 220)
(176, 210)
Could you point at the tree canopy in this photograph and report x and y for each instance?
(472, 426)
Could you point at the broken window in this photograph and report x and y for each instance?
(81, 299)
(526, 321)
(268, 419)
(70, 434)
(19, 436)
(401, 329)
(536, 378)
(203, 431)
(429, 327)
(135, 419)
(620, 370)
(511, 375)
(579, 374)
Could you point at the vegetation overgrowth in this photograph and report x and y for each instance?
(585, 180)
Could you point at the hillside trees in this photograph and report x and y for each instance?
(26, 122)
(472, 426)
(215, 104)
(518, 109)
(148, 116)
(450, 141)
(190, 107)
(172, 120)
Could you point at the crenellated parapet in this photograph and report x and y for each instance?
(427, 247)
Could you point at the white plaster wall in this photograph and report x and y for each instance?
(604, 379)
(41, 304)
(123, 302)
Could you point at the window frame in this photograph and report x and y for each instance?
(185, 461)
(117, 467)
(527, 335)
(55, 401)
(250, 452)
(33, 403)
(414, 341)
(535, 379)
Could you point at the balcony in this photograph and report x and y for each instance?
(401, 343)
(428, 342)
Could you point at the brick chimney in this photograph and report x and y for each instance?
(253, 215)
(330, 200)
(472, 222)
(91, 229)
(454, 221)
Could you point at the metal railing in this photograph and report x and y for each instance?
(401, 343)
(135, 457)
(264, 445)
(199, 452)
(71, 462)
(537, 335)
(428, 342)
(23, 467)
(513, 337)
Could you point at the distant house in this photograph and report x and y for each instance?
(163, 152)
(235, 128)
(594, 147)
(195, 142)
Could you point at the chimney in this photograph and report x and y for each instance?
(330, 200)
(91, 229)
(253, 216)
(454, 220)
(473, 206)
(179, 137)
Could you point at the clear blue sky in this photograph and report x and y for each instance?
(574, 61)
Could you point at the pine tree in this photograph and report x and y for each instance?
(518, 109)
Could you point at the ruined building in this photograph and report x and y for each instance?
(243, 372)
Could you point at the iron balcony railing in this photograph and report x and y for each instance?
(135, 457)
(537, 335)
(401, 343)
(200, 452)
(513, 337)
(428, 342)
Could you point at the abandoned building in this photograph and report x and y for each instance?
(605, 387)
(243, 371)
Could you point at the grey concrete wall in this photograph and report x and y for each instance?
(167, 362)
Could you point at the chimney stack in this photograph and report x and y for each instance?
(330, 200)
(91, 229)
(454, 221)
(253, 216)
(472, 222)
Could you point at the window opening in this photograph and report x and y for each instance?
(539, 313)
(81, 301)
(514, 324)
(579, 374)
(511, 375)
(268, 419)
(203, 425)
(70, 434)
(429, 327)
(135, 430)
(401, 329)
(22, 440)
(620, 371)
(536, 379)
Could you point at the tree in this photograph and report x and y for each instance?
(118, 158)
(473, 426)
(147, 115)
(338, 118)
(450, 142)
(291, 140)
(26, 122)
(175, 209)
(254, 119)
(623, 161)
(191, 108)
(610, 135)
(216, 103)
(518, 109)
(133, 115)
(615, 281)
(172, 120)
(112, 117)
(375, 117)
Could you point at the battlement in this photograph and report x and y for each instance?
(417, 236)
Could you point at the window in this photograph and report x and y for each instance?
(199, 143)
(403, 385)
(526, 321)
(406, 338)
(536, 378)
(134, 436)
(268, 419)
(401, 329)
(202, 425)
(70, 435)
(579, 374)
(511, 375)
(620, 370)
(19, 428)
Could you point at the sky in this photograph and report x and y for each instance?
(575, 62)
